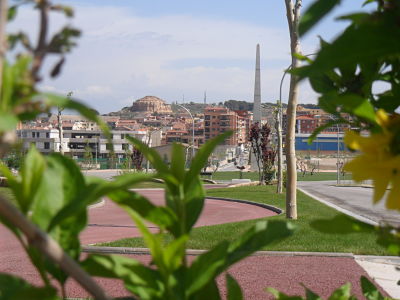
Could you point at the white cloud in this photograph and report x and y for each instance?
(122, 56)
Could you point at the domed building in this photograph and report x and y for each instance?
(151, 104)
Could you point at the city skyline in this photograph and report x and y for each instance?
(131, 49)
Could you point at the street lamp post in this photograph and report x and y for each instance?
(192, 127)
(337, 157)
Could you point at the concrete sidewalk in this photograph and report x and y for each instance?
(357, 202)
(351, 200)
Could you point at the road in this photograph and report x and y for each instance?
(357, 200)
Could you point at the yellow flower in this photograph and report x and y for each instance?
(376, 161)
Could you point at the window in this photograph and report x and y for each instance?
(33, 134)
(46, 145)
(109, 146)
(122, 136)
(47, 135)
(125, 146)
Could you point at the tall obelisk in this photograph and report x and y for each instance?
(257, 90)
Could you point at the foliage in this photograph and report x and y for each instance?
(370, 292)
(88, 155)
(239, 105)
(263, 151)
(137, 159)
(184, 195)
(345, 72)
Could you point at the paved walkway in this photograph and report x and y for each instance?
(356, 201)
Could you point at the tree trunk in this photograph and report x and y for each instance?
(60, 132)
(293, 14)
(3, 35)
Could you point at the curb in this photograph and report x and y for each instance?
(266, 206)
(195, 252)
(99, 204)
(341, 209)
(244, 184)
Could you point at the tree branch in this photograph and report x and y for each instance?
(3, 45)
(41, 48)
(50, 248)
(289, 14)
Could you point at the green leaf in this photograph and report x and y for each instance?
(209, 292)
(12, 12)
(342, 293)
(370, 291)
(341, 224)
(234, 290)
(153, 243)
(94, 189)
(130, 201)
(12, 287)
(205, 268)
(310, 295)
(315, 13)
(174, 253)
(350, 103)
(87, 112)
(358, 44)
(178, 162)
(318, 130)
(31, 174)
(139, 279)
(194, 203)
(152, 156)
(8, 122)
(281, 296)
(257, 237)
(201, 157)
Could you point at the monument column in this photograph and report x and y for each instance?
(257, 90)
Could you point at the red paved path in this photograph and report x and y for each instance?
(321, 274)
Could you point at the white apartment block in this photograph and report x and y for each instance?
(75, 141)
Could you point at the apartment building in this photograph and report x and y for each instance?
(220, 119)
(75, 142)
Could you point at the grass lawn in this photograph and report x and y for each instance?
(300, 177)
(305, 238)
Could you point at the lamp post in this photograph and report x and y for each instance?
(337, 157)
(192, 127)
(338, 151)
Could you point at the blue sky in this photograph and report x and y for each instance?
(171, 48)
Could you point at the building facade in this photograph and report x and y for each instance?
(221, 119)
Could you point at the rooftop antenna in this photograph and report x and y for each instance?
(205, 97)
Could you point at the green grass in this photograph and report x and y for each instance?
(254, 176)
(305, 238)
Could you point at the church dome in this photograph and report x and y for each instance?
(151, 104)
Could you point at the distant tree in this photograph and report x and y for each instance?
(88, 155)
(238, 105)
(263, 151)
(137, 159)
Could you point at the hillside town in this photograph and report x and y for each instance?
(159, 124)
